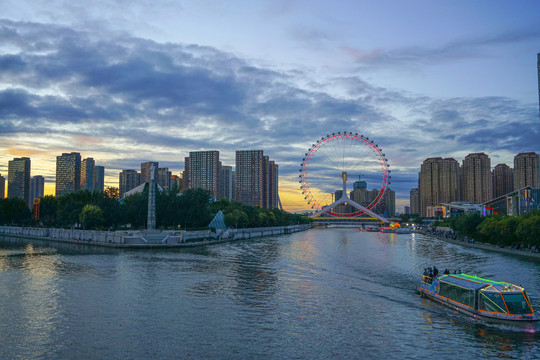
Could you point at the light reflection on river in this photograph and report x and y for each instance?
(328, 293)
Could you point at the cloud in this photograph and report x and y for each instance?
(141, 100)
(419, 56)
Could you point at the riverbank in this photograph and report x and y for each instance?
(449, 236)
(145, 239)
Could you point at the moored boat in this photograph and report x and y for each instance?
(372, 229)
(482, 298)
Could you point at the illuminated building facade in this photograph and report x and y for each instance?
(2, 187)
(19, 179)
(87, 174)
(68, 173)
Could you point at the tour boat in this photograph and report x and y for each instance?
(481, 298)
(388, 229)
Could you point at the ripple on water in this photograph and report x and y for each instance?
(329, 293)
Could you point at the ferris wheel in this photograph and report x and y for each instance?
(342, 161)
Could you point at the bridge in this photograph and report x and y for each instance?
(366, 217)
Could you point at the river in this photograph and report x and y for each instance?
(320, 294)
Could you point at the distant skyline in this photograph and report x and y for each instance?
(125, 83)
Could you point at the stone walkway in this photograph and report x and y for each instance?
(491, 247)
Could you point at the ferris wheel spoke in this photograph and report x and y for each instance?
(334, 154)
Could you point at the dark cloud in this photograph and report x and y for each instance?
(169, 99)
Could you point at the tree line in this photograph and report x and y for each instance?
(495, 229)
(104, 210)
(500, 229)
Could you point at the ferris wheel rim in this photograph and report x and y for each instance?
(312, 151)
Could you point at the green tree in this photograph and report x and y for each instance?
(508, 226)
(91, 216)
(236, 219)
(193, 209)
(15, 211)
(112, 192)
(490, 229)
(529, 229)
(467, 224)
(136, 209)
(48, 207)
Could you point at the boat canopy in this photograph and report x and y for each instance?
(458, 281)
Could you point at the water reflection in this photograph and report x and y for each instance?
(328, 293)
(30, 299)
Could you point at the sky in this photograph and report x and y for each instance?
(126, 82)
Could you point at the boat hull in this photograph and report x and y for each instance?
(427, 290)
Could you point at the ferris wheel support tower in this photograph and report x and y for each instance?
(344, 153)
(344, 199)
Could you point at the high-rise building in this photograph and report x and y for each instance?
(87, 174)
(438, 182)
(249, 173)
(129, 179)
(19, 179)
(2, 187)
(99, 178)
(163, 178)
(37, 188)
(176, 181)
(185, 174)
(226, 182)
(68, 173)
(273, 185)
(266, 182)
(503, 180)
(538, 65)
(204, 171)
(256, 179)
(477, 179)
(359, 184)
(414, 201)
(145, 170)
(526, 170)
(387, 205)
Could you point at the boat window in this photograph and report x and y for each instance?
(517, 304)
(457, 293)
(491, 301)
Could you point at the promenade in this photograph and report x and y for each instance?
(144, 238)
(448, 236)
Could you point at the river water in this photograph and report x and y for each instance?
(319, 294)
